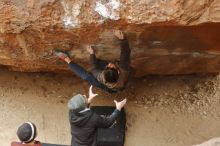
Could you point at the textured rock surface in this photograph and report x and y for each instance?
(211, 142)
(164, 34)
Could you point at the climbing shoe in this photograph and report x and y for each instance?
(60, 54)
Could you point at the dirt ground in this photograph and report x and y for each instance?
(161, 110)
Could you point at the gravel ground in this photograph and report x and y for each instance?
(161, 110)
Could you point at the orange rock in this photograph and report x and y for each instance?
(167, 37)
(30, 3)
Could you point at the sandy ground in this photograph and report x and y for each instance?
(161, 110)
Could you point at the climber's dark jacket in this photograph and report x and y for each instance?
(96, 76)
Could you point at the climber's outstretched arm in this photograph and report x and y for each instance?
(125, 54)
(97, 64)
(125, 50)
(81, 72)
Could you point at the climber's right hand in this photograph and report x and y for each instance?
(90, 49)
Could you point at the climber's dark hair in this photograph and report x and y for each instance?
(111, 75)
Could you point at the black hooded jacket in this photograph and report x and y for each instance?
(85, 124)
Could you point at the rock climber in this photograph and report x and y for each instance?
(109, 76)
(84, 122)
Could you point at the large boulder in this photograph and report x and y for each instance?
(166, 36)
